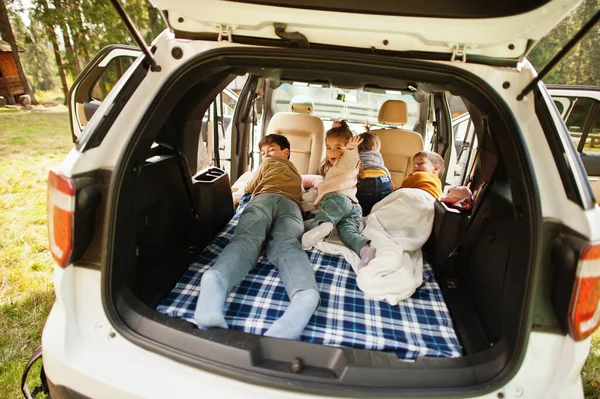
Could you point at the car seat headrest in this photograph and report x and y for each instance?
(302, 105)
(393, 112)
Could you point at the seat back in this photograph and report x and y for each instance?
(306, 135)
(398, 146)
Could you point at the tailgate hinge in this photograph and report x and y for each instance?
(459, 51)
(226, 31)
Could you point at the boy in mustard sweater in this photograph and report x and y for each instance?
(427, 167)
(274, 216)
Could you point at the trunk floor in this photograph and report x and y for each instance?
(418, 326)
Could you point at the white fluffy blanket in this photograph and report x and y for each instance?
(398, 226)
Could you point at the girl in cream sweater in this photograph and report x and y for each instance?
(336, 202)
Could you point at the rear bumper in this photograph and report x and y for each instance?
(84, 357)
(62, 392)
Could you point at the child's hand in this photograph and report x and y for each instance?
(353, 142)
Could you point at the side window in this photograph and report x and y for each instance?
(591, 137)
(465, 143)
(563, 104)
(112, 73)
(582, 120)
(577, 115)
(215, 144)
(96, 81)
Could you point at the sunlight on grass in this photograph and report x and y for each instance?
(31, 143)
(591, 370)
(53, 96)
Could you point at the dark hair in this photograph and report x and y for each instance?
(278, 139)
(435, 158)
(342, 130)
(370, 141)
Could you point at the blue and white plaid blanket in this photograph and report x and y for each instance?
(418, 326)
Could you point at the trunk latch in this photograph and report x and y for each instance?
(226, 31)
(459, 51)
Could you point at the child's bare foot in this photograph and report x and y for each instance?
(313, 236)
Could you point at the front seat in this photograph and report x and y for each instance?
(306, 134)
(398, 146)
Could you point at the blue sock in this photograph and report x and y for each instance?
(209, 309)
(295, 318)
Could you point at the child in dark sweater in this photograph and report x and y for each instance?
(377, 180)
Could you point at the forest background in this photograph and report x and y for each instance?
(59, 37)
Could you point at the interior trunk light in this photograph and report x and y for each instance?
(584, 310)
(61, 206)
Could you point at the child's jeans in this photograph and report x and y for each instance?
(346, 216)
(276, 219)
(372, 190)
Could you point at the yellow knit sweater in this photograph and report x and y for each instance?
(426, 181)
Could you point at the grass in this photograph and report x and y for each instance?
(31, 142)
(54, 96)
(591, 370)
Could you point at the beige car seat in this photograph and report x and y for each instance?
(302, 105)
(306, 135)
(398, 146)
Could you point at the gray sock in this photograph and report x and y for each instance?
(367, 253)
(209, 309)
(314, 235)
(295, 318)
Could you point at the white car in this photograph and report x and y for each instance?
(579, 106)
(511, 289)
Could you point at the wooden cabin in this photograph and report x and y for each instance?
(10, 83)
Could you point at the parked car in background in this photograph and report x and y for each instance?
(579, 107)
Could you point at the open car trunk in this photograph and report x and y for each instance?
(485, 283)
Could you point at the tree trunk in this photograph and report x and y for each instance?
(7, 35)
(59, 63)
(70, 53)
(38, 57)
(80, 33)
(57, 56)
(71, 57)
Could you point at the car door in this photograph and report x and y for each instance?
(94, 83)
(581, 113)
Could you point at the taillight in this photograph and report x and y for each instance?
(61, 206)
(584, 310)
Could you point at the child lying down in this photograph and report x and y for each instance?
(397, 227)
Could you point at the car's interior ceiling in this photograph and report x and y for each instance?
(342, 80)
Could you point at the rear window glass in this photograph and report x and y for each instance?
(358, 107)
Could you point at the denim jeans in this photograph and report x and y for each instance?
(278, 220)
(339, 210)
(372, 190)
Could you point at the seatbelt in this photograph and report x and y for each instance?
(183, 169)
(216, 156)
(489, 162)
(251, 154)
